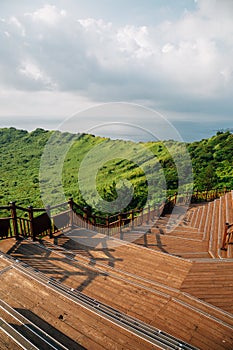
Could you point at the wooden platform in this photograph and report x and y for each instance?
(198, 235)
(68, 321)
(137, 281)
(211, 281)
(173, 277)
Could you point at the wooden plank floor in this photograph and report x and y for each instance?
(174, 245)
(161, 310)
(198, 235)
(79, 325)
(169, 279)
(149, 283)
(6, 342)
(211, 282)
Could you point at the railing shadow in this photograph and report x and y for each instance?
(158, 243)
(61, 268)
(88, 246)
(46, 327)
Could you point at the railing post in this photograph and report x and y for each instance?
(94, 223)
(186, 198)
(30, 212)
(14, 218)
(223, 247)
(107, 224)
(142, 216)
(71, 206)
(148, 214)
(154, 210)
(132, 219)
(120, 228)
(175, 198)
(50, 226)
(86, 216)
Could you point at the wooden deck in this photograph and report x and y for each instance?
(198, 235)
(173, 278)
(120, 280)
(6, 342)
(68, 321)
(212, 282)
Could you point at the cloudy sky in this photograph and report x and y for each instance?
(59, 57)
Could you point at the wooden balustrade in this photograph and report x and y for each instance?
(69, 214)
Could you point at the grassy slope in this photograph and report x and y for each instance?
(21, 152)
(20, 158)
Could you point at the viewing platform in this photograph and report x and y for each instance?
(151, 284)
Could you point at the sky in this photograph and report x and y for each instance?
(60, 57)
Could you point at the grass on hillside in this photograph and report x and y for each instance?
(108, 167)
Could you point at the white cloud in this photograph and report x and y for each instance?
(216, 9)
(43, 104)
(169, 63)
(7, 34)
(95, 25)
(17, 24)
(31, 71)
(135, 42)
(48, 14)
(227, 74)
(167, 48)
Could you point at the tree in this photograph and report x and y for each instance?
(207, 178)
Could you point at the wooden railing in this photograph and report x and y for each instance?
(228, 233)
(31, 222)
(208, 195)
(38, 222)
(109, 225)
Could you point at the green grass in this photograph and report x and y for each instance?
(140, 164)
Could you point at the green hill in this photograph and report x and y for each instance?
(144, 165)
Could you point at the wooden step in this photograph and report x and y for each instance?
(117, 295)
(212, 282)
(85, 327)
(172, 244)
(148, 283)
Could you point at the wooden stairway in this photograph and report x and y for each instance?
(142, 283)
(199, 235)
(173, 277)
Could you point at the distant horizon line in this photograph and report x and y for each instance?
(127, 137)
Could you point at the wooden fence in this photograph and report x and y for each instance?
(109, 225)
(32, 222)
(38, 222)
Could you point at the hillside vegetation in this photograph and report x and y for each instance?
(21, 153)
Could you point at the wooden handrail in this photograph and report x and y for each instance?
(5, 207)
(226, 233)
(133, 217)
